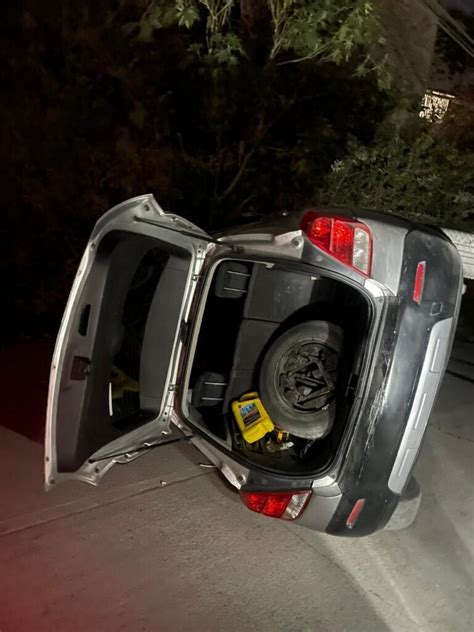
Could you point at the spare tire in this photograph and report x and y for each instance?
(298, 378)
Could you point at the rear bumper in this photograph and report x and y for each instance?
(409, 368)
(330, 506)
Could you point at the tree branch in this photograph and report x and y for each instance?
(239, 174)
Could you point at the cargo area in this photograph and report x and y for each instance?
(250, 306)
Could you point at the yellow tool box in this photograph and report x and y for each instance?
(251, 417)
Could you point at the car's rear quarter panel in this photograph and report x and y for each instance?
(383, 418)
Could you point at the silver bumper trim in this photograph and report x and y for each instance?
(436, 358)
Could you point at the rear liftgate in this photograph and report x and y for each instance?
(111, 389)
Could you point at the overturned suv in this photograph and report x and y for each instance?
(341, 322)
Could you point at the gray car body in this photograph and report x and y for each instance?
(278, 238)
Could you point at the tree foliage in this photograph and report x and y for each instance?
(224, 109)
(293, 31)
(425, 174)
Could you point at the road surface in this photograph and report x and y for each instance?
(136, 554)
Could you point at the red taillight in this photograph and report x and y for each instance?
(319, 232)
(348, 241)
(355, 513)
(419, 282)
(342, 241)
(285, 505)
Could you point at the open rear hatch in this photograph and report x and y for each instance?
(118, 349)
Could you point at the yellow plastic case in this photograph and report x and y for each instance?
(251, 417)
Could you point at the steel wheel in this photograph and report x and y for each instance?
(298, 378)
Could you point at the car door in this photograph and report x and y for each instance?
(116, 358)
